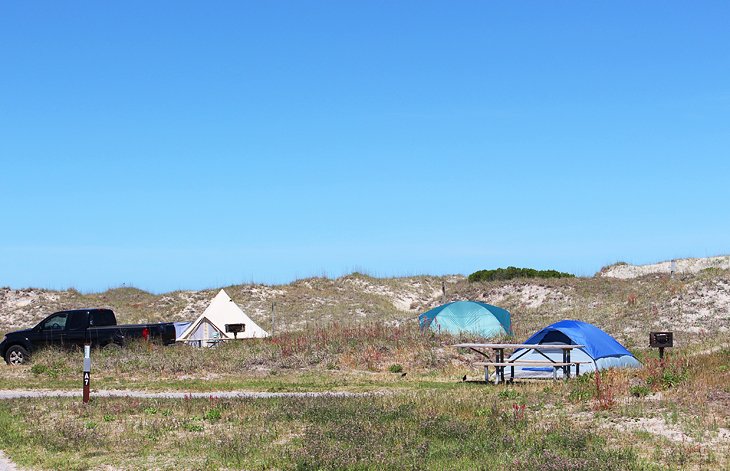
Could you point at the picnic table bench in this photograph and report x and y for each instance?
(555, 365)
(499, 363)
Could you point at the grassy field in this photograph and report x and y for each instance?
(359, 334)
(459, 429)
(539, 425)
(674, 416)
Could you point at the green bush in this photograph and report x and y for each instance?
(510, 273)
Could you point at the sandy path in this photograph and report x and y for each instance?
(6, 464)
(27, 393)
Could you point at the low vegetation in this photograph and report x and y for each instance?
(329, 357)
(461, 429)
(590, 423)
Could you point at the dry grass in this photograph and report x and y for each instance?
(695, 306)
(430, 419)
(322, 357)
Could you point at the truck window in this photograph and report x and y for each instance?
(102, 318)
(78, 320)
(55, 322)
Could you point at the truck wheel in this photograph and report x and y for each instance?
(17, 355)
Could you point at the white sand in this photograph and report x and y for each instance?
(683, 265)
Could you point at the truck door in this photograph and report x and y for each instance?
(53, 329)
(76, 325)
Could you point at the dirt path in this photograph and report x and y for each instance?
(28, 393)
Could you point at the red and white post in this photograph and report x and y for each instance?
(87, 372)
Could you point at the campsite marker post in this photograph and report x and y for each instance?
(87, 372)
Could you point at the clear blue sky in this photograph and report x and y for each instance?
(195, 144)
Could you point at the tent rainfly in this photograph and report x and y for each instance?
(470, 317)
(210, 327)
(601, 350)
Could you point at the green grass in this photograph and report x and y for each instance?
(427, 430)
(428, 420)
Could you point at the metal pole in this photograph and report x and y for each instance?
(87, 372)
(443, 292)
(273, 314)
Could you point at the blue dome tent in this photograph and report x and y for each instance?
(467, 317)
(601, 350)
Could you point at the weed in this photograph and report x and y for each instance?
(640, 390)
(213, 414)
(395, 368)
(38, 369)
(604, 393)
(665, 374)
(193, 427)
(508, 393)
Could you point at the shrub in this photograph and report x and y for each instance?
(510, 273)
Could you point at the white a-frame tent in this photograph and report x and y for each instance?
(210, 327)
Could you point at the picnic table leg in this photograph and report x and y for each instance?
(577, 369)
(496, 368)
(567, 358)
(511, 374)
(500, 353)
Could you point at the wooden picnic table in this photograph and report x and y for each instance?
(500, 363)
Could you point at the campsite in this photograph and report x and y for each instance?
(402, 392)
(364, 235)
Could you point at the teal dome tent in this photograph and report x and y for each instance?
(467, 317)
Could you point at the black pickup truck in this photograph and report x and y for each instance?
(77, 327)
